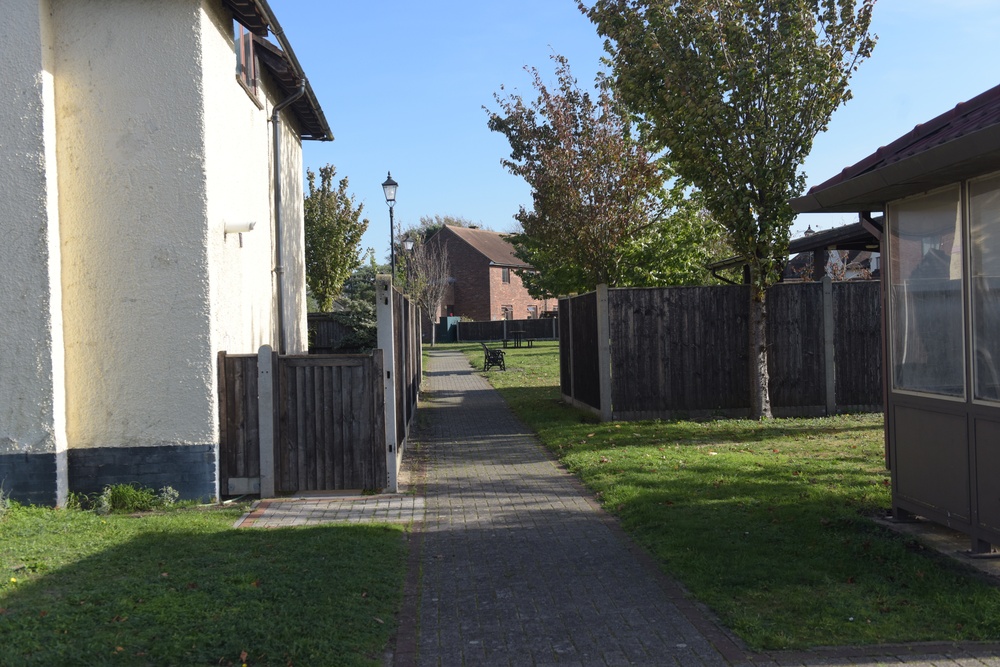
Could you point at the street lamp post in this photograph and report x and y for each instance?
(389, 188)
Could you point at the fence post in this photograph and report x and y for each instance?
(265, 419)
(386, 342)
(829, 347)
(604, 351)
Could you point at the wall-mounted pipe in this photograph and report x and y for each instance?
(279, 268)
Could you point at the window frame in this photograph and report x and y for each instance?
(243, 46)
(896, 355)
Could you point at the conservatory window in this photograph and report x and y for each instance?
(927, 345)
(984, 254)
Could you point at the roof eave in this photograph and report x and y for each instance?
(258, 18)
(965, 157)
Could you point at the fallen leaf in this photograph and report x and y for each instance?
(256, 583)
(243, 656)
(378, 619)
(43, 614)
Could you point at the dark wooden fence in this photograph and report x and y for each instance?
(578, 353)
(683, 351)
(329, 423)
(321, 422)
(239, 436)
(539, 329)
(326, 334)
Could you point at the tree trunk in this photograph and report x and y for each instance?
(760, 396)
(433, 330)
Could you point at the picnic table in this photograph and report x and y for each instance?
(517, 337)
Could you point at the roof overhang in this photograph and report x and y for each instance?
(282, 64)
(957, 145)
(862, 235)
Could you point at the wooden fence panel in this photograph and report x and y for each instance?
(857, 313)
(328, 416)
(586, 378)
(239, 439)
(327, 335)
(796, 352)
(677, 351)
(683, 351)
(565, 346)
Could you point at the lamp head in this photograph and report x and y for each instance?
(389, 188)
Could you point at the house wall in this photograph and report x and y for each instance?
(478, 292)
(240, 188)
(140, 371)
(513, 294)
(470, 269)
(128, 145)
(32, 400)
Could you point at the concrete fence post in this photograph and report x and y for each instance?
(604, 351)
(265, 418)
(387, 343)
(829, 347)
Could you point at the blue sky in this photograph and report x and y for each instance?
(403, 85)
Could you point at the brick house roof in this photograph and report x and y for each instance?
(959, 144)
(492, 245)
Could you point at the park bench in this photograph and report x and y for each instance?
(494, 358)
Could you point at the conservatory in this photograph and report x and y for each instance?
(939, 189)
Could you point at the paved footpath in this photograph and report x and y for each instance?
(519, 566)
(515, 564)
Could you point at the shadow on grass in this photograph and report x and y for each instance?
(319, 595)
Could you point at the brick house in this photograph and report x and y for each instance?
(484, 283)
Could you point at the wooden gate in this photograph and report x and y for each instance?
(331, 423)
(328, 416)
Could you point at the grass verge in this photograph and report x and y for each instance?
(183, 587)
(768, 523)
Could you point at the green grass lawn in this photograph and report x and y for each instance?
(767, 522)
(182, 587)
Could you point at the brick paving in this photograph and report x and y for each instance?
(513, 563)
(304, 511)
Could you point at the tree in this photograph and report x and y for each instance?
(358, 298)
(427, 273)
(736, 91)
(430, 225)
(333, 230)
(600, 211)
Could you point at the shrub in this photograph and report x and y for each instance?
(133, 498)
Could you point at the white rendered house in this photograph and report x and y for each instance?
(137, 150)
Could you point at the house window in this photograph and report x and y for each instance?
(505, 276)
(507, 312)
(246, 61)
(926, 287)
(532, 312)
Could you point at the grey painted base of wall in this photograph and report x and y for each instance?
(190, 469)
(29, 479)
